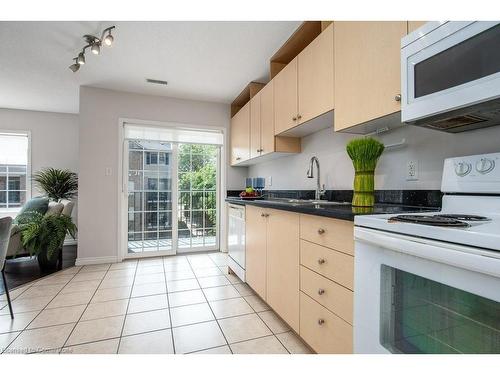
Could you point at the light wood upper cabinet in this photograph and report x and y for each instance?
(256, 232)
(283, 265)
(367, 70)
(240, 135)
(267, 144)
(315, 77)
(414, 25)
(255, 125)
(285, 98)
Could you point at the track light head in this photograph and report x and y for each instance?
(108, 40)
(81, 58)
(96, 48)
(74, 67)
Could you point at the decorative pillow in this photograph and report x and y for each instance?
(38, 204)
(55, 208)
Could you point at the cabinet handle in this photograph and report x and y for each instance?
(321, 231)
(397, 98)
(321, 291)
(263, 215)
(294, 118)
(238, 158)
(299, 117)
(321, 261)
(321, 321)
(266, 215)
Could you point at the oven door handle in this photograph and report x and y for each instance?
(474, 259)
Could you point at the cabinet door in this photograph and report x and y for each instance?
(315, 77)
(283, 265)
(255, 268)
(267, 118)
(255, 126)
(240, 135)
(367, 70)
(414, 25)
(285, 98)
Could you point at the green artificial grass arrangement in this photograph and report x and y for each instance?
(364, 153)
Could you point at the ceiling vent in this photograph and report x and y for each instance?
(156, 81)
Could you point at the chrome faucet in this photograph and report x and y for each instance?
(320, 190)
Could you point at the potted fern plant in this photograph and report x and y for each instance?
(43, 235)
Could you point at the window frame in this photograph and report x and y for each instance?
(27, 133)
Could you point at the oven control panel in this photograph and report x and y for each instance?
(472, 174)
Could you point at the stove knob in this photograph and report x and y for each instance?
(485, 165)
(462, 169)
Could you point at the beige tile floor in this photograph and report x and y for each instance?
(177, 304)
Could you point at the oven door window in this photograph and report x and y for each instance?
(419, 315)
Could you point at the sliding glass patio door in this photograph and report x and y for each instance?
(150, 174)
(172, 193)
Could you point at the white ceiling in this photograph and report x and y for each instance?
(210, 61)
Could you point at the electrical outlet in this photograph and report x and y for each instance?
(412, 170)
(270, 181)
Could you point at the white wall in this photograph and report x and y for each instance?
(54, 137)
(428, 147)
(100, 111)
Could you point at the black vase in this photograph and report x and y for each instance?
(47, 264)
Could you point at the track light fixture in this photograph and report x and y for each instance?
(94, 43)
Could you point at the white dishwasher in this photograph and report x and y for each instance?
(236, 239)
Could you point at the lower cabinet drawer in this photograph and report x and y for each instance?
(325, 332)
(335, 297)
(332, 264)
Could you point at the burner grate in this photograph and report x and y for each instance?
(465, 217)
(433, 220)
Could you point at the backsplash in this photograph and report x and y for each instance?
(428, 148)
(423, 198)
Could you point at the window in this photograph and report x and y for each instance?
(14, 169)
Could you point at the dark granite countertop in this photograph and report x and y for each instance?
(341, 211)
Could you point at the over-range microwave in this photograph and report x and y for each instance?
(450, 75)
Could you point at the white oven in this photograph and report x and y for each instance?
(415, 295)
(450, 75)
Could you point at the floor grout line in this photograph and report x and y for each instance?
(43, 309)
(210, 307)
(169, 309)
(85, 309)
(126, 311)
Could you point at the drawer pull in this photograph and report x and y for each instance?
(321, 291)
(321, 261)
(321, 321)
(263, 215)
(321, 231)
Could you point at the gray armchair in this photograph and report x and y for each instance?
(5, 228)
(64, 207)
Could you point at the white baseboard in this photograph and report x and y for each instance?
(95, 260)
